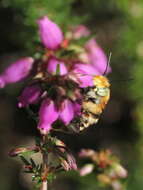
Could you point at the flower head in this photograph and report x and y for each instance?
(58, 75)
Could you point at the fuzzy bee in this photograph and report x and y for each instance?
(94, 101)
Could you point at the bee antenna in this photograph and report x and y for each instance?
(108, 63)
(123, 80)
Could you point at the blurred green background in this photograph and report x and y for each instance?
(118, 26)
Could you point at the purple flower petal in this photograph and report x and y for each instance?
(86, 169)
(85, 69)
(77, 108)
(53, 64)
(71, 161)
(67, 111)
(84, 74)
(47, 115)
(97, 57)
(16, 71)
(30, 95)
(50, 33)
(85, 81)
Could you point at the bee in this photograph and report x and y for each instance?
(94, 101)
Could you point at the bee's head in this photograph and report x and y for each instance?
(101, 81)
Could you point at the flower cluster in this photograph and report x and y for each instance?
(56, 76)
(108, 169)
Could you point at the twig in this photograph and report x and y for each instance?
(44, 185)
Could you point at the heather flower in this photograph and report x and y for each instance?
(30, 95)
(47, 115)
(56, 81)
(86, 153)
(59, 76)
(80, 31)
(18, 151)
(83, 74)
(120, 171)
(64, 156)
(111, 172)
(92, 54)
(67, 111)
(96, 56)
(86, 169)
(16, 71)
(80, 73)
(53, 65)
(50, 34)
(69, 163)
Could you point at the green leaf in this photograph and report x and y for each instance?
(38, 141)
(58, 69)
(32, 163)
(24, 160)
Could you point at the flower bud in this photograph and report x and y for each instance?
(30, 95)
(120, 171)
(87, 169)
(66, 111)
(80, 31)
(50, 33)
(19, 151)
(47, 115)
(16, 71)
(97, 57)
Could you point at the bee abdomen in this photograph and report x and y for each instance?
(88, 119)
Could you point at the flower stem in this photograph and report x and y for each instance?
(44, 185)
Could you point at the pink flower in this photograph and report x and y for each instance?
(86, 153)
(94, 54)
(16, 71)
(83, 74)
(120, 171)
(50, 34)
(77, 108)
(48, 114)
(65, 157)
(71, 161)
(30, 95)
(87, 69)
(97, 57)
(66, 111)
(53, 65)
(87, 169)
(80, 31)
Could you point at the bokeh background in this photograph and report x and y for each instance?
(118, 28)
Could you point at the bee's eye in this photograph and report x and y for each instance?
(102, 91)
